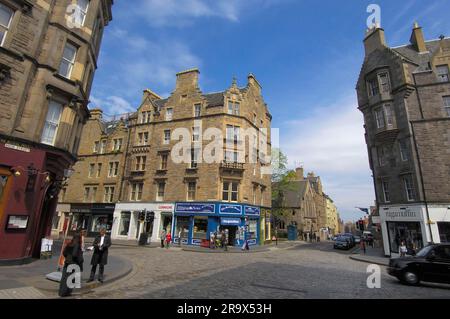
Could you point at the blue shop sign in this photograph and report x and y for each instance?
(251, 210)
(194, 208)
(230, 209)
(230, 221)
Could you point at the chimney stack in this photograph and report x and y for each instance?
(96, 114)
(417, 39)
(252, 81)
(187, 80)
(299, 174)
(374, 39)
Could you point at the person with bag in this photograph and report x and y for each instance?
(73, 255)
(163, 237)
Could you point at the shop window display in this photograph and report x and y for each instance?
(444, 232)
(200, 227)
(124, 226)
(409, 232)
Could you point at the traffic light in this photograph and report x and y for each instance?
(142, 216)
(361, 225)
(150, 216)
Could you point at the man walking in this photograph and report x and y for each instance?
(100, 256)
(163, 237)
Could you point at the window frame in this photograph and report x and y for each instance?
(69, 62)
(165, 140)
(408, 181)
(197, 112)
(51, 124)
(229, 191)
(191, 193)
(169, 114)
(446, 100)
(386, 191)
(445, 76)
(159, 197)
(6, 28)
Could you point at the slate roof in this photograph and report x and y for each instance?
(421, 59)
(293, 196)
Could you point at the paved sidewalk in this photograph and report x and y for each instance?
(238, 250)
(30, 282)
(372, 256)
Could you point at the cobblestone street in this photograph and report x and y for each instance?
(301, 271)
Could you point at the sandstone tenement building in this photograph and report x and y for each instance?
(48, 57)
(128, 167)
(404, 95)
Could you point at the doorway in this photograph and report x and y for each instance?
(230, 231)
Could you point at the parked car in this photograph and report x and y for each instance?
(431, 264)
(342, 242)
(351, 237)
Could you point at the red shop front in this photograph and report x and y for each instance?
(31, 175)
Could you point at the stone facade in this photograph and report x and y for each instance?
(47, 64)
(148, 168)
(417, 123)
(404, 95)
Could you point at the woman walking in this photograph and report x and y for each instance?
(73, 255)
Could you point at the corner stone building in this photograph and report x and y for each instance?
(404, 95)
(47, 62)
(128, 167)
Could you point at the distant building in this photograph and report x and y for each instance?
(303, 203)
(404, 95)
(127, 167)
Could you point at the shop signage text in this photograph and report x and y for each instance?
(251, 210)
(230, 209)
(17, 147)
(194, 208)
(230, 221)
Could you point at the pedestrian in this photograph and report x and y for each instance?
(213, 241)
(224, 241)
(73, 256)
(179, 237)
(163, 237)
(403, 249)
(100, 256)
(362, 245)
(245, 246)
(168, 240)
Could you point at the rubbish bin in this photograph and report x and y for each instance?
(143, 239)
(292, 233)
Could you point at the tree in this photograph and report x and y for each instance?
(281, 182)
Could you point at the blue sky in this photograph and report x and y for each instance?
(306, 54)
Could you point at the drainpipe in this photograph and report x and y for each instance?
(418, 158)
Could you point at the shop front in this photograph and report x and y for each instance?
(195, 223)
(413, 226)
(129, 226)
(91, 217)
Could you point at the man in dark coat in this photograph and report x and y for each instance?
(100, 256)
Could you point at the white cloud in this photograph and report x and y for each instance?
(331, 143)
(161, 13)
(112, 105)
(141, 63)
(180, 13)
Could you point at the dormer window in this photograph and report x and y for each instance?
(169, 114)
(442, 73)
(234, 108)
(379, 82)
